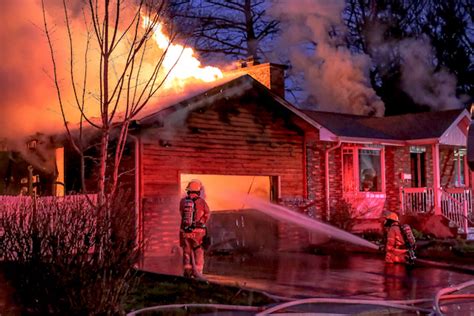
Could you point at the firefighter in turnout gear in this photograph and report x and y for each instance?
(194, 216)
(395, 247)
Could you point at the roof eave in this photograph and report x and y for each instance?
(293, 109)
(422, 141)
(452, 135)
(375, 141)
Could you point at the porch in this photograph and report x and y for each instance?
(453, 203)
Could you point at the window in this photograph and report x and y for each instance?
(370, 170)
(459, 168)
(362, 169)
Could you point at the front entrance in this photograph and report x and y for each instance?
(418, 169)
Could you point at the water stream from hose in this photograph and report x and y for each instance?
(288, 216)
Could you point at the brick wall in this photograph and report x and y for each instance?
(292, 237)
(316, 176)
(270, 75)
(397, 161)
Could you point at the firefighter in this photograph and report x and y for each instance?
(395, 246)
(194, 216)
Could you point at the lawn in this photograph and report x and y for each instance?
(156, 289)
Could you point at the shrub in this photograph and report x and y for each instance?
(68, 255)
(343, 216)
(464, 248)
(351, 209)
(373, 235)
(419, 235)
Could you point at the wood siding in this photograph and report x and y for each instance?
(247, 141)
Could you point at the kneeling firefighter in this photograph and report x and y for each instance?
(194, 216)
(400, 243)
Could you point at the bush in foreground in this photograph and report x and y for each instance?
(68, 255)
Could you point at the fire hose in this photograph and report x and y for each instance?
(441, 295)
(443, 265)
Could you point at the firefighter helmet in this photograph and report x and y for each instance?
(390, 215)
(194, 186)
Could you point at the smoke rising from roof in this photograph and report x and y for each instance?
(337, 79)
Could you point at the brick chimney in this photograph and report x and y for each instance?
(270, 75)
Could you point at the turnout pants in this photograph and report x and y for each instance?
(193, 252)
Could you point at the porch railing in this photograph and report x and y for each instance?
(456, 204)
(417, 200)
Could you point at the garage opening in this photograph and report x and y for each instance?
(233, 226)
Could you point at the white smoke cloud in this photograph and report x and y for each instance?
(335, 77)
(420, 79)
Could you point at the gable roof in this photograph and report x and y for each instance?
(396, 129)
(233, 88)
(414, 126)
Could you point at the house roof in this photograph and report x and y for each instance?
(233, 88)
(400, 127)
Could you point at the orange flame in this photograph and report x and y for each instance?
(179, 61)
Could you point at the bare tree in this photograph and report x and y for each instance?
(114, 71)
(235, 28)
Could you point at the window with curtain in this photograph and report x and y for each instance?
(362, 169)
(370, 176)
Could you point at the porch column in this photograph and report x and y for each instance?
(436, 179)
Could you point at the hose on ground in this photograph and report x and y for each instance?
(450, 266)
(442, 292)
(441, 295)
(341, 301)
(213, 306)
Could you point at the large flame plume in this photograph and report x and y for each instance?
(28, 98)
(180, 62)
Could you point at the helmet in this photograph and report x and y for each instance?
(390, 215)
(194, 185)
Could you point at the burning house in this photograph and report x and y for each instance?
(242, 138)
